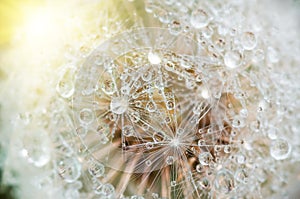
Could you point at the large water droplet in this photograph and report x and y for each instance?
(69, 169)
(119, 105)
(233, 59)
(108, 87)
(249, 40)
(86, 116)
(107, 190)
(205, 158)
(151, 106)
(199, 18)
(224, 181)
(280, 149)
(170, 160)
(175, 28)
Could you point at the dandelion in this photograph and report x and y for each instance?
(191, 100)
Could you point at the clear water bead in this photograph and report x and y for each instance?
(280, 149)
(205, 158)
(65, 87)
(233, 59)
(96, 169)
(86, 116)
(127, 130)
(199, 18)
(170, 160)
(248, 40)
(107, 190)
(69, 169)
(119, 105)
(224, 181)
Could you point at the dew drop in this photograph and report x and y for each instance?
(173, 183)
(203, 183)
(151, 106)
(227, 149)
(148, 163)
(272, 133)
(280, 149)
(241, 175)
(199, 18)
(86, 116)
(96, 169)
(119, 105)
(149, 145)
(148, 75)
(233, 59)
(65, 87)
(224, 181)
(69, 169)
(205, 158)
(170, 160)
(249, 40)
(199, 168)
(108, 87)
(127, 131)
(107, 190)
(175, 28)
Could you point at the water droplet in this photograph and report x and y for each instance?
(96, 169)
(147, 75)
(241, 159)
(170, 105)
(175, 28)
(107, 190)
(148, 163)
(128, 131)
(173, 183)
(241, 175)
(199, 18)
(170, 160)
(81, 131)
(238, 122)
(201, 142)
(203, 183)
(119, 105)
(199, 168)
(249, 40)
(65, 86)
(149, 145)
(280, 149)
(258, 56)
(158, 137)
(244, 113)
(224, 181)
(164, 16)
(86, 116)
(153, 58)
(272, 133)
(205, 158)
(233, 59)
(227, 149)
(108, 87)
(69, 169)
(151, 106)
